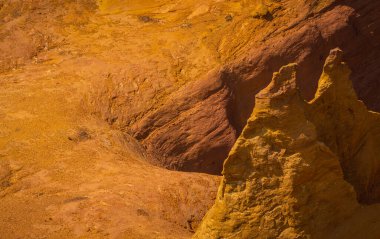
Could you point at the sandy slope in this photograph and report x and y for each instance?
(65, 174)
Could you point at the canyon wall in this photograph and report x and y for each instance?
(189, 118)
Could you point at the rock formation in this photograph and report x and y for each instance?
(301, 169)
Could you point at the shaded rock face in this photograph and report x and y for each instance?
(299, 168)
(190, 132)
(192, 125)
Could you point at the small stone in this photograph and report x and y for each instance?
(147, 19)
(229, 18)
(142, 212)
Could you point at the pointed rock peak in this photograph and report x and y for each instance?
(344, 124)
(335, 79)
(335, 58)
(283, 82)
(275, 99)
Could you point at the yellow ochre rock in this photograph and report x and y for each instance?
(294, 170)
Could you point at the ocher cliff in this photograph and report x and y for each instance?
(301, 169)
(116, 117)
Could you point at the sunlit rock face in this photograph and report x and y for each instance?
(346, 126)
(301, 169)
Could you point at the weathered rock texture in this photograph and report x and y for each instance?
(348, 129)
(299, 168)
(202, 90)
